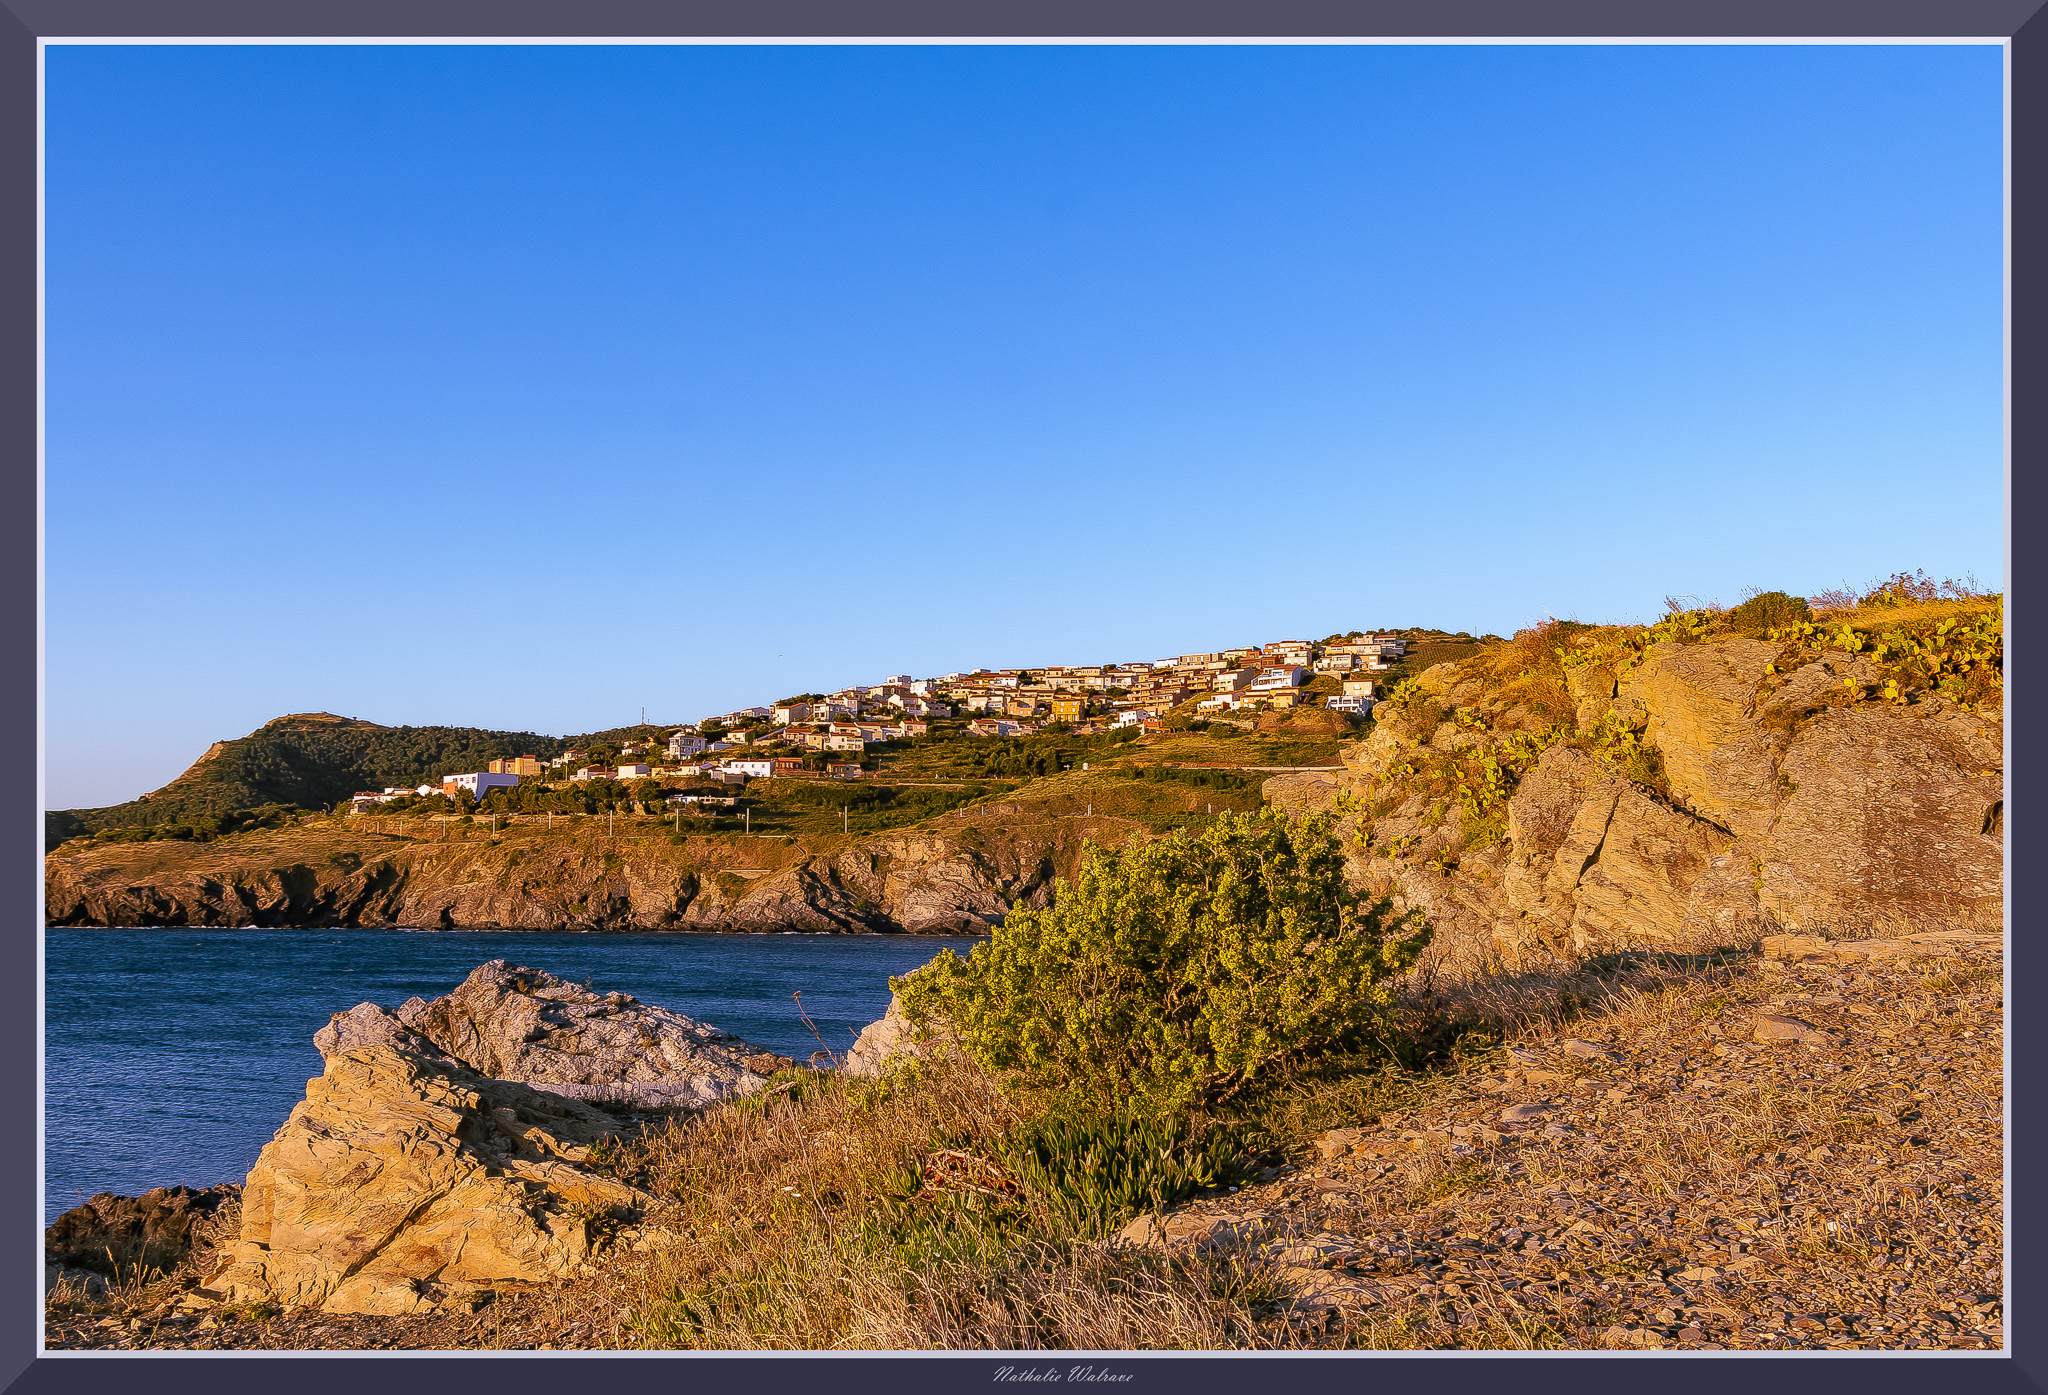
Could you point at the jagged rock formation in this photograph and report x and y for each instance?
(952, 881)
(521, 1024)
(405, 1182)
(1775, 811)
(883, 1043)
(151, 1231)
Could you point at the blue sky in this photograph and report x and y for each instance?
(523, 387)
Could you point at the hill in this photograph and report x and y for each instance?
(308, 759)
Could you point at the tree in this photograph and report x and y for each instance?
(1181, 971)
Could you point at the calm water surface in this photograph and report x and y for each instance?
(173, 1055)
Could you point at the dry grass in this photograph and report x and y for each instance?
(848, 1214)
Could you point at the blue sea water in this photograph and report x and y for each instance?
(172, 1055)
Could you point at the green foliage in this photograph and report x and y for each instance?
(1409, 710)
(1767, 611)
(1094, 1167)
(204, 830)
(1200, 778)
(874, 808)
(315, 765)
(1961, 657)
(1178, 971)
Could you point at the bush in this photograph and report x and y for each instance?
(1179, 972)
(1767, 611)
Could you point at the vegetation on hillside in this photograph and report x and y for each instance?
(312, 762)
(1923, 639)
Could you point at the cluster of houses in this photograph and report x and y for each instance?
(1007, 703)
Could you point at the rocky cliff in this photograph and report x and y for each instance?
(1680, 790)
(955, 874)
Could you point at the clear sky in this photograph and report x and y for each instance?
(523, 387)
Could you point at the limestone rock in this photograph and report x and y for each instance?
(1335, 1143)
(1592, 687)
(1180, 1231)
(1700, 703)
(516, 1023)
(1523, 1113)
(1301, 792)
(404, 1182)
(1639, 886)
(1887, 808)
(890, 1040)
(1774, 1027)
(1928, 944)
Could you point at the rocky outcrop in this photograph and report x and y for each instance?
(1777, 810)
(131, 1233)
(515, 1023)
(405, 1182)
(884, 1043)
(954, 879)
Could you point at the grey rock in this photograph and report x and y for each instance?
(887, 1042)
(1523, 1113)
(514, 1023)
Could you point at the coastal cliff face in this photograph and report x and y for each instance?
(953, 875)
(1772, 802)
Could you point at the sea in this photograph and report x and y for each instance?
(172, 1055)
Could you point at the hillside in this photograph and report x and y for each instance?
(936, 855)
(309, 759)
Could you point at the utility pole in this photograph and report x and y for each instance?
(750, 822)
(843, 825)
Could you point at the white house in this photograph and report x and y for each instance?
(682, 745)
(1273, 680)
(632, 770)
(752, 769)
(477, 784)
(1357, 706)
(1137, 716)
(1358, 687)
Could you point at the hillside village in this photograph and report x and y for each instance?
(828, 735)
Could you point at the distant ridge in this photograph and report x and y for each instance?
(313, 759)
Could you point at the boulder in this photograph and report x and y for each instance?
(405, 1182)
(1700, 704)
(1887, 808)
(1775, 1027)
(155, 1230)
(516, 1023)
(882, 1043)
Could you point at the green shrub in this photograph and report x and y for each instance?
(1180, 971)
(1095, 1168)
(1767, 611)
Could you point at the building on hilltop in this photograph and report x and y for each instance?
(527, 766)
